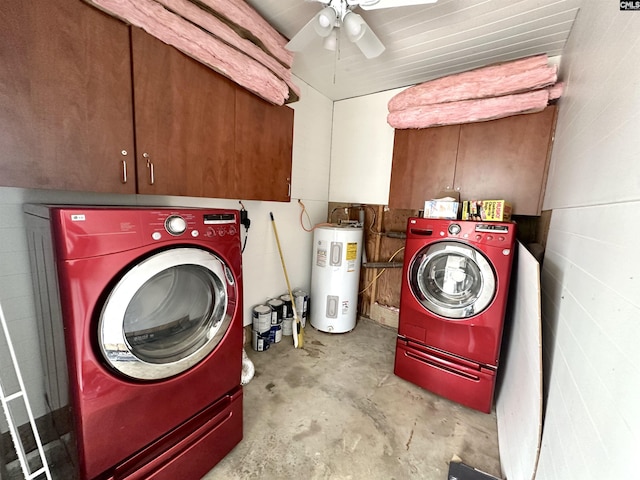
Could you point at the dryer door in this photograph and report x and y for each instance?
(166, 314)
(452, 279)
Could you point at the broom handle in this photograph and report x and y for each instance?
(297, 327)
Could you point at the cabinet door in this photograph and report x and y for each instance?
(264, 143)
(506, 159)
(184, 123)
(424, 164)
(65, 98)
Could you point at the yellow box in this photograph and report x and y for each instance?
(486, 210)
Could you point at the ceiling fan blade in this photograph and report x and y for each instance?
(304, 37)
(361, 34)
(374, 5)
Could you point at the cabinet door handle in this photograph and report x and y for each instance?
(124, 171)
(124, 153)
(152, 178)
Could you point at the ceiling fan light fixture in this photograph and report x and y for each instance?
(359, 33)
(331, 41)
(354, 26)
(369, 44)
(325, 21)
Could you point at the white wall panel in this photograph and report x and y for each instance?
(362, 149)
(311, 144)
(591, 286)
(591, 309)
(600, 108)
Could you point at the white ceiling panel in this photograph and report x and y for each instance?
(424, 42)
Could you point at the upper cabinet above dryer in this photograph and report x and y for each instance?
(500, 159)
(65, 113)
(81, 86)
(263, 148)
(184, 123)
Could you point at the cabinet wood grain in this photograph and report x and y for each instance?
(264, 143)
(424, 163)
(65, 107)
(506, 159)
(184, 123)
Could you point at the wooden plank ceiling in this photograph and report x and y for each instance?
(424, 42)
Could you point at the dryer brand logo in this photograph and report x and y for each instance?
(78, 217)
(627, 5)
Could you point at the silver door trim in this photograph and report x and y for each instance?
(111, 336)
(454, 309)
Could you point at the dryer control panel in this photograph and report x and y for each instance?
(194, 224)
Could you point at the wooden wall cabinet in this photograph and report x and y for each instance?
(500, 159)
(263, 148)
(79, 86)
(184, 123)
(65, 98)
(424, 163)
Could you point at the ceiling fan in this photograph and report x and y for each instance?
(339, 13)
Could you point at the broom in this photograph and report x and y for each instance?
(298, 333)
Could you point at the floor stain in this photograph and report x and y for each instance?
(314, 428)
(410, 436)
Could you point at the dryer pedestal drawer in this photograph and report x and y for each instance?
(192, 449)
(469, 386)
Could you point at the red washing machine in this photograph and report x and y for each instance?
(452, 306)
(149, 365)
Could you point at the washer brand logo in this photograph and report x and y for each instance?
(78, 217)
(626, 5)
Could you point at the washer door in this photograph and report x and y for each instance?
(453, 280)
(166, 314)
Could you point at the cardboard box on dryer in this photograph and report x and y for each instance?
(440, 209)
(445, 206)
(486, 210)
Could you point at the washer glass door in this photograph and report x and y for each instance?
(166, 314)
(452, 279)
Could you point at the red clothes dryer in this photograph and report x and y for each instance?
(452, 306)
(149, 365)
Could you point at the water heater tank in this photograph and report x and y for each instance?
(335, 277)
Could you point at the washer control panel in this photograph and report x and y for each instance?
(495, 234)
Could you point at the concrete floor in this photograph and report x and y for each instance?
(335, 410)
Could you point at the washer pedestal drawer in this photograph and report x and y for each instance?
(459, 380)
